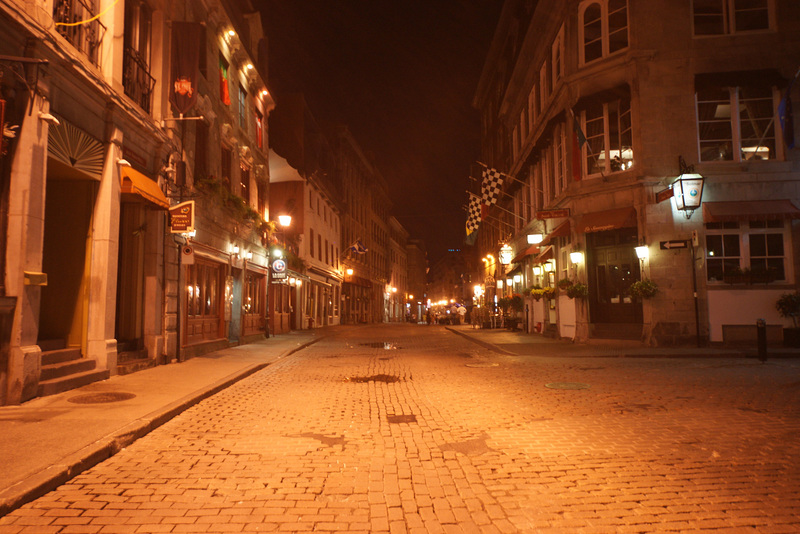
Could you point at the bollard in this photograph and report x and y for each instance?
(761, 337)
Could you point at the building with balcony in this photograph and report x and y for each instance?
(94, 153)
(595, 111)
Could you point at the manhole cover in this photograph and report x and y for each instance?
(401, 418)
(101, 398)
(566, 385)
(374, 378)
(380, 345)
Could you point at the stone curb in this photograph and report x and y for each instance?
(482, 343)
(47, 480)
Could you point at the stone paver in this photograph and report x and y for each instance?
(442, 435)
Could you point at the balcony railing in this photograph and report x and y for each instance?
(86, 37)
(136, 79)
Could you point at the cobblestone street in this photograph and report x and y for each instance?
(408, 428)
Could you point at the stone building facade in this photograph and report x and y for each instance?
(593, 109)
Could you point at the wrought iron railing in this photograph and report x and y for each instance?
(86, 37)
(136, 79)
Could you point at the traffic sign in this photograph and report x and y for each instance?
(675, 243)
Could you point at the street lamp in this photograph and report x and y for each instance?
(284, 220)
(688, 189)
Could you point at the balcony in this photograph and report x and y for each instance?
(86, 37)
(136, 79)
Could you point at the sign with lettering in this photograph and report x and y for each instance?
(552, 214)
(181, 218)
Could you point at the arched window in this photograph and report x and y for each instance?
(604, 28)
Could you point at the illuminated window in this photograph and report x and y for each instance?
(607, 127)
(736, 123)
(242, 108)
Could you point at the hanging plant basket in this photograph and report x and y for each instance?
(644, 289)
(578, 291)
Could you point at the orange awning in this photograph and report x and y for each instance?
(600, 221)
(745, 210)
(136, 183)
(546, 254)
(533, 249)
(562, 230)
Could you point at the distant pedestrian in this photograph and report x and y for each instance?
(428, 317)
(462, 314)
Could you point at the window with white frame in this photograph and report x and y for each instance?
(737, 123)
(544, 85)
(603, 28)
(607, 127)
(723, 17)
(557, 57)
(759, 246)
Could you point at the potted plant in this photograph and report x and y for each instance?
(643, 289)
(578, 291)
(549, 292)
(736, 276)
(564, 283)
(788, 305)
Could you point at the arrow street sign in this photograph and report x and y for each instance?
(675, 243)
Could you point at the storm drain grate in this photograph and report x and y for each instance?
(566, 385)
(386, 345)
(374, 378)
(101, 398)
(407, 418)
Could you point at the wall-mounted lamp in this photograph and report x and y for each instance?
(499, 284)
(349, 272)
(123, 162)
(517, 278)
(231, 33)
(292, 281)
(576, 257)
(548, 266)
(642, 252)
(537, 270)
(509, 281)
(264, 93)
(394, 290)
(298, 283)
(249, 67)
(277, 253)
(535, 239)
(284, 220)
(688, 189)
(249, 255)
(234, 249)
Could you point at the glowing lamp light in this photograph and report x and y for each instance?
(537, 270)
(231, 33)
(576, 257)
(284, 220)
(535, 239)
(642, 252)
(349, 272)
(249, 67)
(499, 284)
(548, 267)
(517, 278)
(688, 193)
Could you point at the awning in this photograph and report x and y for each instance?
(546, 254)
(740, 78)
(135, 183)
(562, 230)
(533, 249)
(600, 221)
(745, 210)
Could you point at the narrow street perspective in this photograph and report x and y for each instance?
(414, 428)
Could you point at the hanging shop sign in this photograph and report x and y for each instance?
(552, 214)
(278, 270)
(181, 218)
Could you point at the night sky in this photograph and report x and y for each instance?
(401, 74)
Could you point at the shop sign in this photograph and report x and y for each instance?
(279, 269)
(181, 218)
(665, 194)
(552, 214)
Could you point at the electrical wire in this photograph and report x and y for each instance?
(88, 20)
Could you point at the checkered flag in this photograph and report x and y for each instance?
(473, 213)
(490, 187)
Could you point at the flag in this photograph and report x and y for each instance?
(224, 92)
(786, 117)
(473, 219)
(578, 140)
(358, 247)
(490, 187)
(185, 68)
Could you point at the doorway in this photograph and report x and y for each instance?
(613, 267)
(130, 278)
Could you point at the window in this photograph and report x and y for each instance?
(721, 17)
(311, 242)
(261, 193)
(607, 127)
(557, 57)
(736, 123)
(757, 245)
(603, 28)
(201, 150)
(544, 86)
(137, 82)
(226, 162)
(244, 183)
(87, 36)
(259, 129)
(532, 108)
(559, 159)
(242, 108)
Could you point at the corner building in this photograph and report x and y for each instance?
(593, 110)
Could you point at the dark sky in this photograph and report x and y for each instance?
(401, 74)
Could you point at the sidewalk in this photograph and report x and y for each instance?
(522, 344)
(48, 440)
